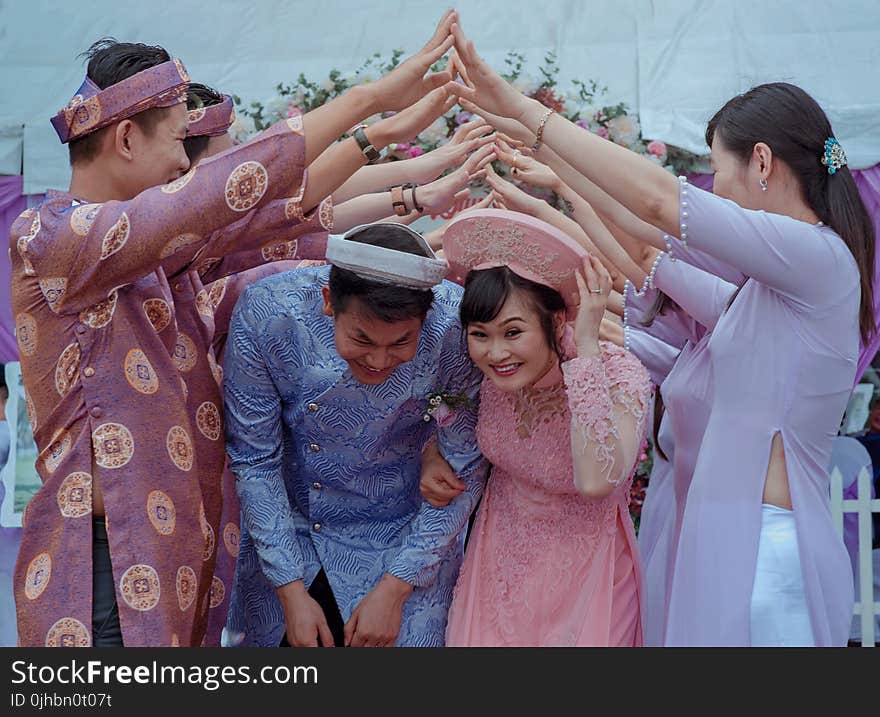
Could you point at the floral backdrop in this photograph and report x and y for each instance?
(583, 102)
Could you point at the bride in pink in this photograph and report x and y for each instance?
(552, 558)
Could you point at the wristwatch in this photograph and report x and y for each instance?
(370, 152)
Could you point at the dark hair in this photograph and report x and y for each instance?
(659, 410)
(387, 302)
(197, 96)
(795, 128)
(110, 62)
(486, 290)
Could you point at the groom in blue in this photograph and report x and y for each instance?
(328, 377)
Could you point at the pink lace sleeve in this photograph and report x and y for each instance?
(595, 387)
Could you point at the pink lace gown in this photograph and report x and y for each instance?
(546, 566)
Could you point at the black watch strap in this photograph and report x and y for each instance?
(370, 152)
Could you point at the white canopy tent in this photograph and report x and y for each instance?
(673, 61)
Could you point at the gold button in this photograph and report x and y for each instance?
(313, 406)
(314, 448)
(88, 372)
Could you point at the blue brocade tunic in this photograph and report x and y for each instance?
(327, 468)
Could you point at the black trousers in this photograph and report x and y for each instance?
(106, 631)
(321, 592)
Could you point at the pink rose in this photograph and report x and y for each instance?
(602, 132)
(583, 124)
(657, 148)
(463, 117)
(401, 147)
(443, 415)
(414, 151)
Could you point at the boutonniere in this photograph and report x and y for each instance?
(443, 407)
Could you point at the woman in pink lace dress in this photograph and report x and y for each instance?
(552, 557)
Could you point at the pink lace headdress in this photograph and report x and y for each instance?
(529, 247)
(92, 108)
(211, 121)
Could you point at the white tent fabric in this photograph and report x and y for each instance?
(673, 61)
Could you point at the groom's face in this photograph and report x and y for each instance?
(373, 348)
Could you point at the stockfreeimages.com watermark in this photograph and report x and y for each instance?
(210, 677)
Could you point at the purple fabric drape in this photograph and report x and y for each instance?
(868, 182)
(12, 203)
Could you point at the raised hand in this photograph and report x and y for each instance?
(526, 168)
(509, 196)
(468, 138)
(407, 83)
(482, 84)
(594, 286)
(406, 124)
(472, 129)
(514, 130)
(439, 195)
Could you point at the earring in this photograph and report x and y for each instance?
(763, 183)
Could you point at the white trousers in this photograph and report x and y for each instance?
(779, 616)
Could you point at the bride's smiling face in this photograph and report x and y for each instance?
(512, 349)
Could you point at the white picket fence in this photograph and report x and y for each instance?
(864, 506)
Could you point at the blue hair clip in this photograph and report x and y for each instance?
(834, 157)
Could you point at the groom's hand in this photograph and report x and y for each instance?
(375, 622)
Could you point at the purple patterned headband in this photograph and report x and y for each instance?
(211, 121)
(92, 108)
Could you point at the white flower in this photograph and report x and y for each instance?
(624, 130)
(526, 85)
(327, 85)
(276, 108)
(436, 133)
(242, 129)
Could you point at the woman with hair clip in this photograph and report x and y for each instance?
(552, 558)
(758, 559)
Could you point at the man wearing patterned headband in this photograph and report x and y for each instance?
(114, 328)
(330, 374)
(210, 116)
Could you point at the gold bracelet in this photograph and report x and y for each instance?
(540, 133)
